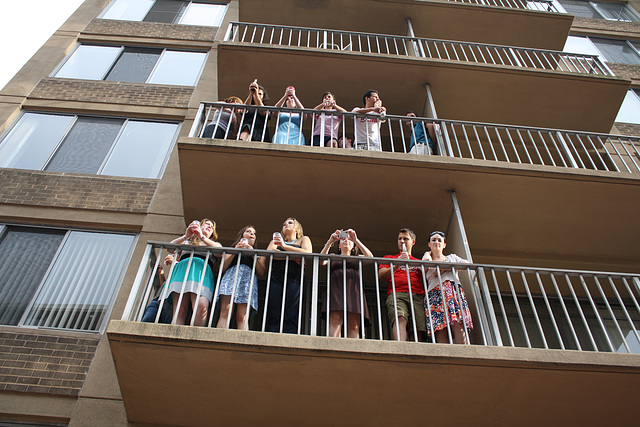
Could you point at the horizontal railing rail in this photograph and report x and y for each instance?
(539, 5)
(403, 134)
(415, 47)
(333, 295)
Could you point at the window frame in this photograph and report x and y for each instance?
(119, 280)
(121, 50)
(114, 143)
(178, 16)
(594, 6)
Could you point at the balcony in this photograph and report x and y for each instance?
(519, 23)
(536, 330)
(468, 81)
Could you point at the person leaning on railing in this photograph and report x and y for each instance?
(254, 122)
(327, 125)
(186, 278)
(403, 298)
(367, 129)
(288, 126)
(421, 140)
(345, 276)
(237, 281)
(290, 239)
(455, 300)
(224, 122)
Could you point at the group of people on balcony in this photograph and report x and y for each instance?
(436, 305)
(251, 124)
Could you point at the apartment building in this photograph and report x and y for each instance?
(535, 109)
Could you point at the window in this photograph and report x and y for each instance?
(171, 11)
(609, 50)
(92, 145)
(59, 278)
(131, 64)
(630, 109)
(600, 10)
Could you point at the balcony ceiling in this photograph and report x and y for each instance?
(513, 214)
(481, 93)
(432, 19)
(180, 375)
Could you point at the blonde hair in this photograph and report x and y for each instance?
(195, 240)
(298, 227)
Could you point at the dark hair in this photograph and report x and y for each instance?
(368, 95)
(241, 232)
(328, 93)
(409, 231)
(265, 96)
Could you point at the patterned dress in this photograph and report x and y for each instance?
(455, 299)
(243, 286)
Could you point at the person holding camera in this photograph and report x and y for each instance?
(289, 125)
(254, 122)
(327, 125)
(345, 288)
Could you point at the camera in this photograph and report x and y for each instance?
(343, 234)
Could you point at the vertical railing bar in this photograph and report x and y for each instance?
(582, 316)
(596, 312)
(266, 298)
(533, 309)
(301, 293)
(613, 316)
(455, 138)
(427, 304)
(475, 131)
(344, 297)
(466, 138)
(566, 311)
(629, 154)
(544, 143)
(504, 151)
(517, 304)
(502, 308)
(314, 297)
(378, 304)
(535, 146)
(595, 150)
(558, 150)
(413, 314)
(624, 308)
(395, 301)
(482, 300)
(362, 325)
(458, 294)
(618, 153)
(513, 144)
(233, 292)
(526, 151)
(445, 306)
(551, 315)
(486, 132)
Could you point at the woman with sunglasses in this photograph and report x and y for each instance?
(443, 282)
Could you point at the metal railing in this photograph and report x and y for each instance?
(415, 47)
(539, 5)
(451, 138)
(510, 306)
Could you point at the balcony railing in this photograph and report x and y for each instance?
(539, 5)
(451, 138)
(415, 47)
(510, 306)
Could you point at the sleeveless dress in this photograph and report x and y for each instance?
(291, 291)
(244, 285)
(259, 126)
(288, 130)
(336, 287)
(193, 275)
(455, 299)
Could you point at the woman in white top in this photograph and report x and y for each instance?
(448, 284)
(327, 125)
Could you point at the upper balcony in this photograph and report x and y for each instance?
(512, 22)
(535, 330)
(468, 81)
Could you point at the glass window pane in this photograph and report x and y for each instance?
(78, 291)
(89, 62)
(616, 51)
(209, 15)
(129, 10)
(616, 12)
(579, 8)
(178, 68)
(630, 110)
(134, 65)
(165, 11)
(32, 140)
(86, 146)
(26, 255)
(141, 150)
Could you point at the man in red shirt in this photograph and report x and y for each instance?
(401, 297)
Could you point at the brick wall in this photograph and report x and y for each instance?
(35, 363)
(150, 30)
(604, 25)
(627, 71)
(74, 191)
(627, 129)
(112, 93)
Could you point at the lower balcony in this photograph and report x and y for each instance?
(542, 339)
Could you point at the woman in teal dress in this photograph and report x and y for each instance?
(289, 125)
(186, 275)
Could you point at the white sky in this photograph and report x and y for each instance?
(24, 26)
